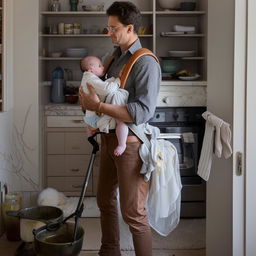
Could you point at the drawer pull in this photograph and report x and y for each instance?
(75, 147)
(75, 170)
(77, 186)
(78, 121)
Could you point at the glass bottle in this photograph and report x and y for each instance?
(12, 224)
(54, 5)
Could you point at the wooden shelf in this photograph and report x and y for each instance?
(184, 35)
(179, 13)
(163, 83)
(83, 35)
(83, 13)
(184, 58)
(60, 58)
(183, 83)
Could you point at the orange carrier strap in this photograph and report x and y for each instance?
(125, 71)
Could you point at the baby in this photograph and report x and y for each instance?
(93, 70)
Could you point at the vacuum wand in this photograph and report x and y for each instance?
(80, 205)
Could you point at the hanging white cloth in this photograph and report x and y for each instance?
(161, 163)
(217, 138)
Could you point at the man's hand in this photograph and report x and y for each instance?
(89, 101)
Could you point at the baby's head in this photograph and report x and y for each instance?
(92, 64)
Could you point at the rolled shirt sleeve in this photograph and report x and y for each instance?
(143, 85)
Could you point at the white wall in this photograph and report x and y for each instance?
(19, 126)
(6, 117)
(220, 102)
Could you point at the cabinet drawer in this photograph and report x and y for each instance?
(65, 121)
(77, 143)
(68, 143)
(67, 165)
(55, 143)
(69, 184)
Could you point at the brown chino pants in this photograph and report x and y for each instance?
(123, 172)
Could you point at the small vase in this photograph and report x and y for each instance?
(169, 4)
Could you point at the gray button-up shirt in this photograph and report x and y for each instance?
(142, 84)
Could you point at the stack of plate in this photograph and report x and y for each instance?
(182, 53)
(76, 52)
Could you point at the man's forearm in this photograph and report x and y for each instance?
(117, 111)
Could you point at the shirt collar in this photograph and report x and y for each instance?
(133, 48)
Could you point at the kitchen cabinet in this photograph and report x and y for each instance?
(67, 155)
(154, 21)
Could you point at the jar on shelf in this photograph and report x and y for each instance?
(68, 29)
(12, 202)
(54, 6)
(76, 28)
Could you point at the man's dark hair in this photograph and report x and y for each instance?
(127, 13)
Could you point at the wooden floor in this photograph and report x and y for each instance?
(91, 244)
(8, 249)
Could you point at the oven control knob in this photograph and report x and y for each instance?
(166, 100)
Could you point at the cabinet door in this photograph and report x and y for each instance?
(55, 143)
(69, 184)
(77, 143)
(72, 143)
(67, 165)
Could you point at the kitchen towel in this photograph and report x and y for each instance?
(217, 138)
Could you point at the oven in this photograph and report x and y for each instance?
(184, 127)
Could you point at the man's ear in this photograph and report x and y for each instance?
(130, 28)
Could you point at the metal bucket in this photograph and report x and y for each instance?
(59, 242)
(35, 217)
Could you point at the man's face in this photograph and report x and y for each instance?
(118, 32)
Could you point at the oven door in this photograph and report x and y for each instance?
(193, 194)
(187, 149)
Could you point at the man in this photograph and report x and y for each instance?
(124, 171)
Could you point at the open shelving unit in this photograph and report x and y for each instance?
(154, 19)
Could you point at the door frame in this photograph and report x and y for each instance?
(250, 159)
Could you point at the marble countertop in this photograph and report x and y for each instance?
(169, 96)
(63, 109)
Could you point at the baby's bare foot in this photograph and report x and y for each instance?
(119, 150)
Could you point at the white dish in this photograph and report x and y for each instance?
(189, 78)
(93, 7)
(181, 53)
(56, 54)
(76, 52)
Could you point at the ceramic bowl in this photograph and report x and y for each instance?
(170, 66)
(169, 4)
(76, 52)
(187, 6)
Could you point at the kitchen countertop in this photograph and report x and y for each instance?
(169, 96)
(63, 109)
